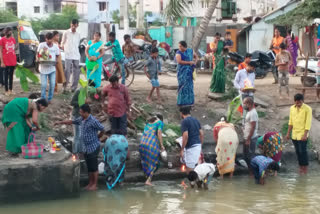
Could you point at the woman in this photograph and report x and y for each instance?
(186, 60)
(150, 145)
(293, 46)
(115, 153)
(227, 143)
(19, 117)
(60, 78)
(271, 146)
(8, 59)
(94, 53)
(218, 79)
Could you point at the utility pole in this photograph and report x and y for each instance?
(140, 15)
(124, 17)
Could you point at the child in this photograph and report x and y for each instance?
(128, 48)
(202, 174)
(48, 71)
(260, 164)
(153, 68)
(228, 43)
(117, 55)
(90, 139)
(8, 59)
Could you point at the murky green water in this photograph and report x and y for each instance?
(284, 194)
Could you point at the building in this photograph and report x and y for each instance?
(37, 9)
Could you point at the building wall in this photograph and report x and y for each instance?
(261, 33)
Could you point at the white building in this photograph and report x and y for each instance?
(36, 9)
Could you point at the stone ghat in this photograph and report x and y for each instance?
(51, 177)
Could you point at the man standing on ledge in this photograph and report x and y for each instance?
(300, 125)
(192, 139)
(70, 44)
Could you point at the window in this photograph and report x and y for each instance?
(102, 6)
(161, 5)
(228, 9)
(46, 10)
(27, 33)
(12, 6)
(204, 4)
(36, 9)
(57, 7)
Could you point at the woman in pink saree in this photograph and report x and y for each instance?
(293, 46)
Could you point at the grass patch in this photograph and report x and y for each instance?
(140, 123)
(147, 108)
(262, 114)
(44, 122)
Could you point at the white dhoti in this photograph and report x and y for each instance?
(192, 155)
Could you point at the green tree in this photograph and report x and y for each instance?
(7, 16)
(175, 10)
(301, 16)
(116, 16)
(132, 10)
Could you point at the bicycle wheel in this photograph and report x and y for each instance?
(129, 74)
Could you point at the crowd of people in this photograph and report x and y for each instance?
(20, 116)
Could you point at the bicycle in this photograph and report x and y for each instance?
(116, 70)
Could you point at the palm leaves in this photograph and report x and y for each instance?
(175, 9)
(24, 74)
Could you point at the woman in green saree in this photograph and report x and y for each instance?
(218, 75)
(20, 116)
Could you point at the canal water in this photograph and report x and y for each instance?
(288, 193)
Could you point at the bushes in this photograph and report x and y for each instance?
(7, 16)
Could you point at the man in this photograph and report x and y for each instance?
(70, 44)
(77, 145)
(242, 78)
(260, 166)
(228, 43)
(192, 139)
(118, 104)
(250, 129)
(283, 61)
(60, 78)
(90, 127)
(300, 124)
(275, 47)
(202, 175)
(128, 48)
(48, 71)
(245, 63)
(117, 55)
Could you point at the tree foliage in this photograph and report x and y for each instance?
(7, 16)
(23, 74)
(301, 16)
(116, 16)
(176, 9)
(56, 21)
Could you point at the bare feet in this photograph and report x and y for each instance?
(148, 183)
(149, 100)
(87, 187)
(92, 188)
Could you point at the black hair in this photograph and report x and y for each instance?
(282, 46)
(7, 30)
(34, 96)
(152, 119)
(185, 110)
(127, 36)
(160, 116)
(289, 31)
(114, 78)
(91, 83)
(97, 33)
(250, 100)
(112, 34)
(49, 35)
(248, 55)
(117, 131)
(55, 33)
(154, 50)
(298, 97)
(42, 102)
(183, 44)
(85, 108)
(274, 166)
(252, 64)
(218, 34)
(2, 34)
(228, 33)
(192, 176)
(153, 41)
(75, 22)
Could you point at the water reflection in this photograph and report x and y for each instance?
(283, 194)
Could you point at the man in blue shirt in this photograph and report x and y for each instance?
(90, 127)
(192, 139)
(260, 164)
(118, 56)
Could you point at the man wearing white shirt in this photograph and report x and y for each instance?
(70, 44)
(48, 71)
(245, 75)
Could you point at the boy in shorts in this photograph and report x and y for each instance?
(151, 70)
(90, 127)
